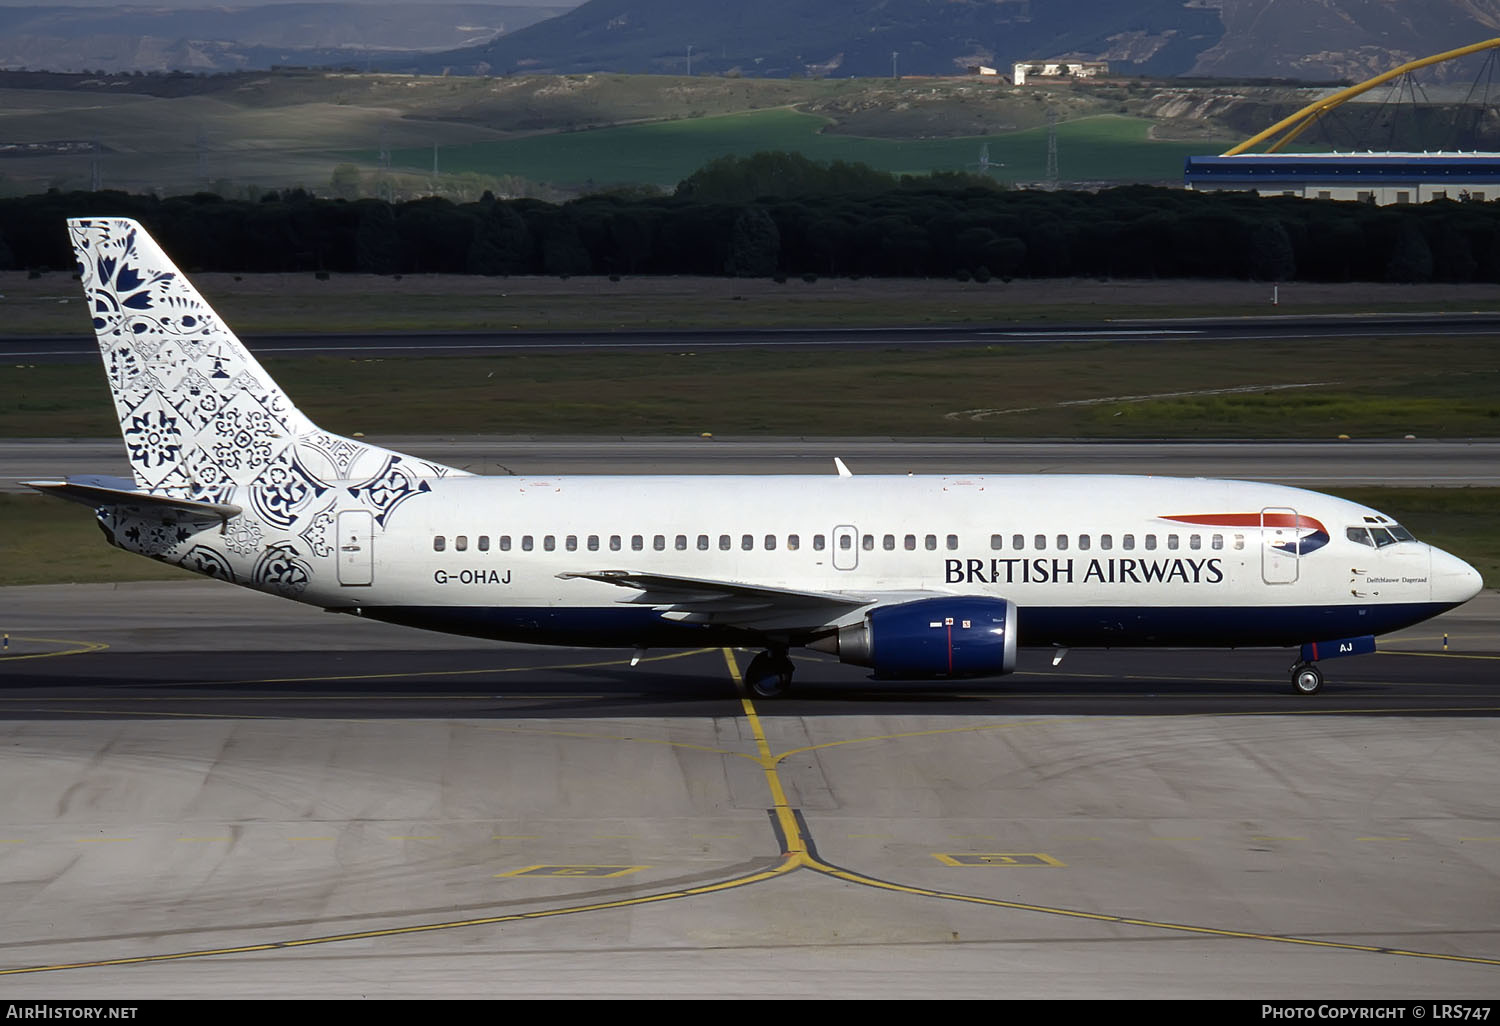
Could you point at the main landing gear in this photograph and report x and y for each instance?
(769, 674)
(1307, 679)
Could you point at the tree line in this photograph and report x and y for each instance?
(783, 215)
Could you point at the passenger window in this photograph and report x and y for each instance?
(526, 543)
(1217, 541)
(793, 542)
(461, 543)
(1083, 542)
(952, 542)
(505, 543)
(930, 543)
(637, 543)
(593, 543)
(995, 541)
(484, 543)
(1039, 542)
(439, 543)
(725, 543)
(1150, 542)
(680, 543)
(571, 544)
(817, 543)
(549, 543)
(1127, 542)
(703, 543)
(888, 543)
(614, 543)
(1018, 542)
(1106, 541)
(1195, 541)
(1171, 541)
(845, 541)
(659, 542)
(747, 542)
(770, 542)
(868, 543)
(909, 543)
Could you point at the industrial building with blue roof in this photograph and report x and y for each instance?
(1379, 178)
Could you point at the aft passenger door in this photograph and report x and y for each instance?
(1280, 545)
(356, 554)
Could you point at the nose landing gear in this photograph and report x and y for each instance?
(1307, 679)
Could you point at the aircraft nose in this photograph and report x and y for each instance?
(1453, 580)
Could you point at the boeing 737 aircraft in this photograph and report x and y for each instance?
(917, 578)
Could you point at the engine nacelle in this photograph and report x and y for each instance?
(931, 639)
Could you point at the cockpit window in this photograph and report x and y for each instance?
(1379, 537)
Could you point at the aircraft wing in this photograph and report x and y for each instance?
(695, 600)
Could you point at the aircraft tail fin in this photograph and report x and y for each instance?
(199, 414)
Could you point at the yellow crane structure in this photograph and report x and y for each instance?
(1289, 128)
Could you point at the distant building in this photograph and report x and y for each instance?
(1057, 69)
(1380, 178)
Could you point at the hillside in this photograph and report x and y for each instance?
(63, 37)
(1345, 39)
(1310, 40)
(844, 38)
(1303, 40)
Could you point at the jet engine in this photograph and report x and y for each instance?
(930, 639)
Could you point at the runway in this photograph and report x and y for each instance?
(1414, 462)
(215, 793)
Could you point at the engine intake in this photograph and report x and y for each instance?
(931, 639)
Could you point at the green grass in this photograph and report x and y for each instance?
(1100, 148)
(1437, 388)
(43, 541)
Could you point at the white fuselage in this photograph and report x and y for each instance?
(1087, 559)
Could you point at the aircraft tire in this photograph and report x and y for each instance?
(1307, 679)
(769, 676)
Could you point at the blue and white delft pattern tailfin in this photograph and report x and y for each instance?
(198, 412)
(203, 420)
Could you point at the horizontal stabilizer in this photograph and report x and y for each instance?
(119, 491)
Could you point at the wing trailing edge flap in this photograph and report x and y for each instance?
(693, 600)
(118, 491)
